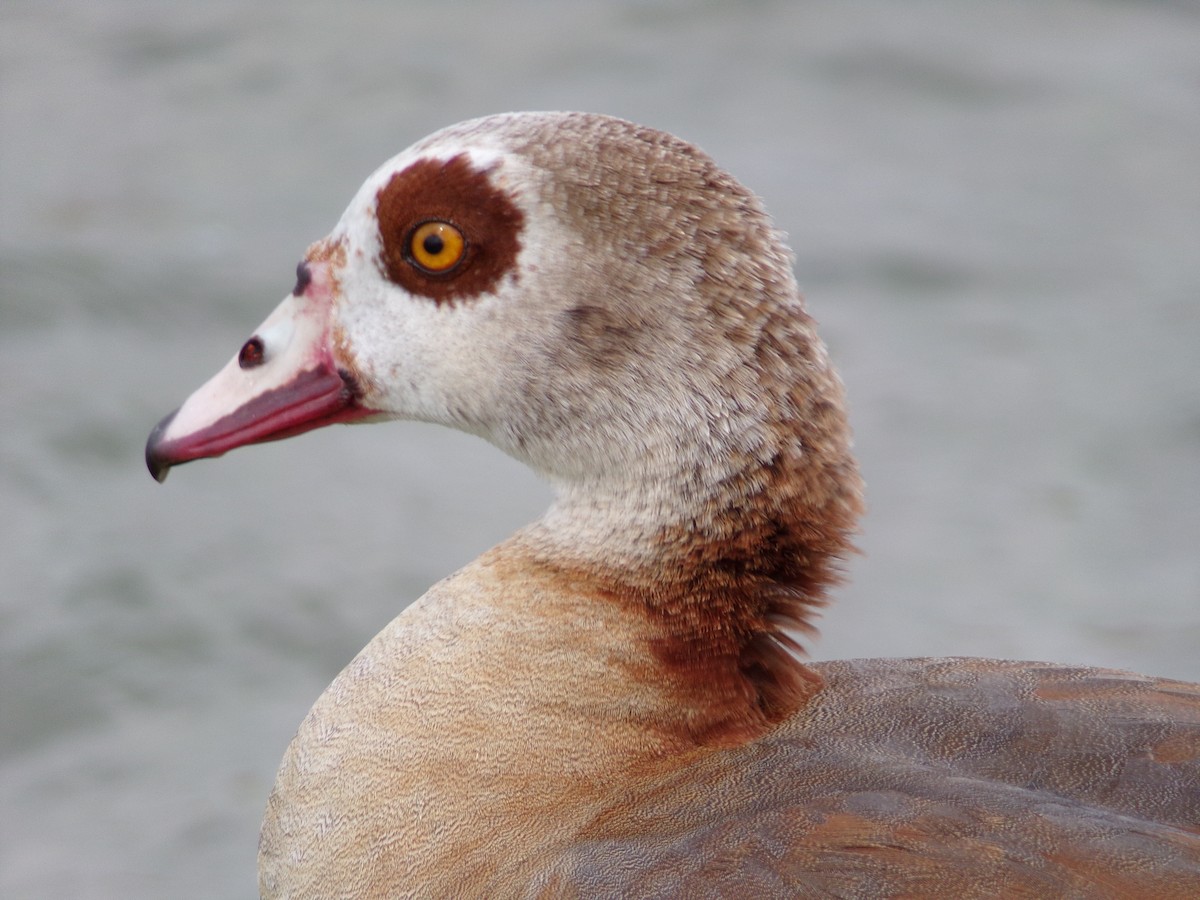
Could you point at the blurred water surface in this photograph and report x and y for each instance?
(996, 214)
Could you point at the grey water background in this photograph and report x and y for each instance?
(996, 215)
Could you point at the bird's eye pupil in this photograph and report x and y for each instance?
(436, 247)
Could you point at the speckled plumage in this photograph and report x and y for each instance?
(610, 703)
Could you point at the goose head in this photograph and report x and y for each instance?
(599, 300)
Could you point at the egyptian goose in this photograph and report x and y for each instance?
(610, 703)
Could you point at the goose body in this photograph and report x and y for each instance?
(611, 702)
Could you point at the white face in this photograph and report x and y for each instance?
(578, 291)
(371, 332)
(451, 359)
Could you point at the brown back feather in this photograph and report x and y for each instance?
(925, 778)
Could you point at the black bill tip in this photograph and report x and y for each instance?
(156, 459)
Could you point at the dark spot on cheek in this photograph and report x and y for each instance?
(303, 278)
(598, 338)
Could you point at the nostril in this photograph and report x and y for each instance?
(303, 278)
(251, 354)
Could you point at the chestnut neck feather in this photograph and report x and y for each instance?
(755, 497)
(737, 573)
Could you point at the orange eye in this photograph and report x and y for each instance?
(436, 247)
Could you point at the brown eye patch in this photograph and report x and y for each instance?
(433, 190)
